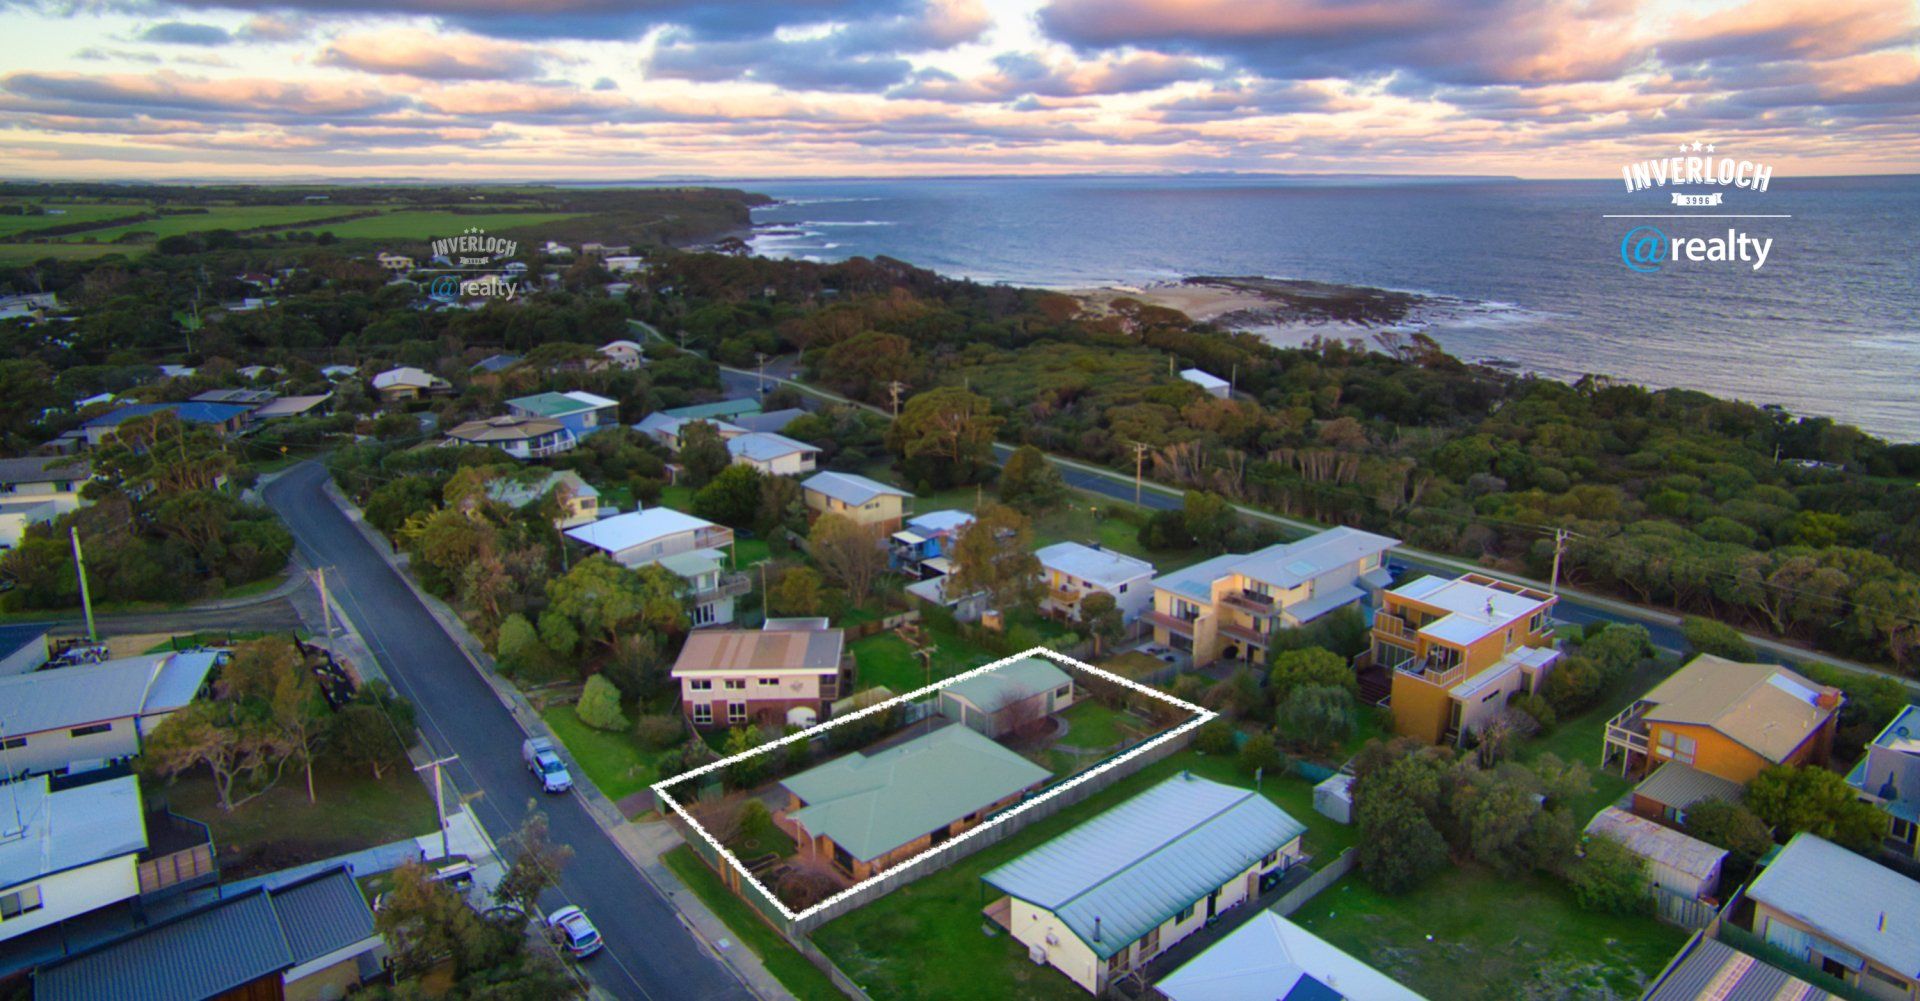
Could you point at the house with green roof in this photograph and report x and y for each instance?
(869, 811)
(581, 413)
(1108, 896)
(1008, 698)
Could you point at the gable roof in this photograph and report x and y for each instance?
(662, 424)
(43, 469)
(519, 491)
(722, 408)
(765, 446)
(850, 488)
(871, 804)
(1766, 708)
(1857, 903)
(720, 650)
(407, 375)
(1710, 970)
(1018, 680)
(1098, 566)
(291, 406)
(497, 429)
(935, 522)
(1136, 865)
(216, 948)
(70, 827)
(1272, 958)
(1680, 852)
(637, 528)
(771, 420)
(560, 404)
(1680, 786)
(1284, 565)
(190, 412)
(91, 693)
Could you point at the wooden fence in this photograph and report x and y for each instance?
(1327, 875)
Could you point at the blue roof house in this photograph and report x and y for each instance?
(923, 545)
(225, 418)
(1108, 896)
(1889, 777)
(581, 413)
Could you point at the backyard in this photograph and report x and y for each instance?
(925, 940)
(613, 760)
(280, 828)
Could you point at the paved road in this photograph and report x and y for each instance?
(650, 955)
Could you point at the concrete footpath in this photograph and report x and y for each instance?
(642, 844)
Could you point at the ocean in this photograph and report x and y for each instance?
(1530, 272)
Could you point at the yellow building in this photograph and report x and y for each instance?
(866, 501)
(1725, 718)
(1459, 650)
(1229, 606)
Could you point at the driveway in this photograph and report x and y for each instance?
(650, 955)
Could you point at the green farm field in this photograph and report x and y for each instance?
(234, 217)
(70, 215)
(428, 225)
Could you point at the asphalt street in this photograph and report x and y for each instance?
(649, 954)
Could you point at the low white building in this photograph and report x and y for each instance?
(773, 454)
(19, 514)
(624, 354)
(1207, 381)
(638, 538)
(76, 718)
(1073, 570)
(1270, 957)
(71, 852)
(1677, 863)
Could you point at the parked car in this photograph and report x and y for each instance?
(571, 929)
(545, 764)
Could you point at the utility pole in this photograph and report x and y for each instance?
(86, 596)
(440, 798)
(319, 578)
(1559, 546)
(894, 389)
(760, 380)
(1139, 463)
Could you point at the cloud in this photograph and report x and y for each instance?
(275, 28)
(168, 91)
(183, 33)
(853, 56)
(1022, 74)
(599, 20)
(435, 56)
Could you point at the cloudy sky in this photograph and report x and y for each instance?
(617, 89)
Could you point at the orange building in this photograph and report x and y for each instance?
(1459, 650)
(1725, 718)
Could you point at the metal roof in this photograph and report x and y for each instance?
(1284, 565)
(1136, 865)
(1018, 680)
(850, 488)
(636, 528)
(1472, 610)
(72, 827)
(873, 804)
(765, 446)
(519, 491)
(62, 697)
(934, 522)
(1097, 566)
(1203, 379)
(1267, 958)
(771, 420)
(43, 469)
(1680, 786)
(1656, 843)
(1766, 708)
(723, 408)
(748, 650)
(560, 404)
(407, 375)
(1847, 899)
(192, 413)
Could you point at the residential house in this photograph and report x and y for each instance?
(1009, 698)
(521, 437)
(784, 673)
(1889, 778)
(1209, 383)
(1229, 606)
(625, 263)
(224, 418)
(552, 249)
(400, 385)
(1676, 863)
(1847, 916)
(19, 514)
(627, 355)
(40, 477)
(711, 587)
(22, 649)
(638, 538)
(294, 406)
(871, 810)
(866, 502)
(772, 420)
(581, 413)
(1074, 570)
(67, 852)
(720, 410)
(1707, 969)
(1725, 718)
(1458, 651)
(923, 547)
(1271, 958)
(254, 373)
(494, 364)
(667, 429)
(83, 717)
(178, 371)
(396, 263)
(579, 501)
(603, 249)
(1672, 789)
(772, 454)
(335, 373)
(252, 399)
(935, 591)
(312, 939)
(1108, 896)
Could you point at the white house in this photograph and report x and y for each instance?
(711, 589)
(40, 479)
(1212, 384)
(75, 718)
(22, 649)
(624, 354)
(638, 538)
(579, 505)
(1125, 886)
(521, 437)
(17, 515)
(71, 852)
(408, 383)
(1270, 957)
(1074, 570)
(772, 454)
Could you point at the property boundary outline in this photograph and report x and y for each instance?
(1201, 717)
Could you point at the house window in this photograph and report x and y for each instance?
(736, 712)
(90, 730)
(736, 684)
(1123, 589)
(1677, 746)
(701, 684)
(702, 714)
(20, 902)
(12, 742)
(1186, 914)
(1064, 692)
(1117, 960)
(1151, 943)
(1537, 623)
(703, 614)
(1270, 858)
(769, 682)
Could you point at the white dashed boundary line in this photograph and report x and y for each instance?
(1201, 717)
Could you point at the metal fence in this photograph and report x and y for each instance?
(1682, 910)
(1326, 876)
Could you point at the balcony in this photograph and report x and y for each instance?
(717, 537)
(1171, 623)
(730, 585)
(1387, 625)
(1063, 597)
(1245, 635)
(1251, 603)
(178, 857)
(1629, 728)
(1432, 672)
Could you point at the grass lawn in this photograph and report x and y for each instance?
(924, 940)
(1092, 724)
(280, 828)
(1083, 518)
(747, 552)
(72, 215)
(783, 961)
(1472, 935)
(27, 253)
(885, 659)
(428, 225)
(1578, 738)
(234, 217)
(677, 497)
(615, 762)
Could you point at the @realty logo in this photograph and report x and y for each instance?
(1649, 248)
(469, 260)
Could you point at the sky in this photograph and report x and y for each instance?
(611, 90)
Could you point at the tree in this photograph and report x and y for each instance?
(849, 553)
(1030, 483)
(1730, 826)
(945, 436)
(1208, 518)
(994, 553)
(798, 592)
(1214, 737)
(536, 864)
(426, 924)
(1399, 846)
(1259, 754)
(702, 453)
(747, 771)
(557, 634)
(606, 598)
(1317, 716)
(1716, 638)
(599, 705)
(244, 753)
(374, 729)
(1609, 878)
(517, 645)
(1309, 666)
(1796, 798)
(300, 713)
(731, 498)
(1101, 616)
(782, 509)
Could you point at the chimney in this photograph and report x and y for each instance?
(1828, 699)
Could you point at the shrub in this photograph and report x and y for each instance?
(1214, 737)
(517, 642)
(1318, 716)
(1259, 753)
(1537, 707)
(600, 705)
(1717, 638)
(558, 634)
(1610, 879)
(659, 731)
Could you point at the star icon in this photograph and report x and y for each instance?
(1696, 145)
(1683, 147)
(1709, 147)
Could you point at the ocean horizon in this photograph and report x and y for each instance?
(1524, 271)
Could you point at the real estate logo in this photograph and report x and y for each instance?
(474, 248)
(1648, 247)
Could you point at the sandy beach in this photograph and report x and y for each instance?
(1286, 313)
